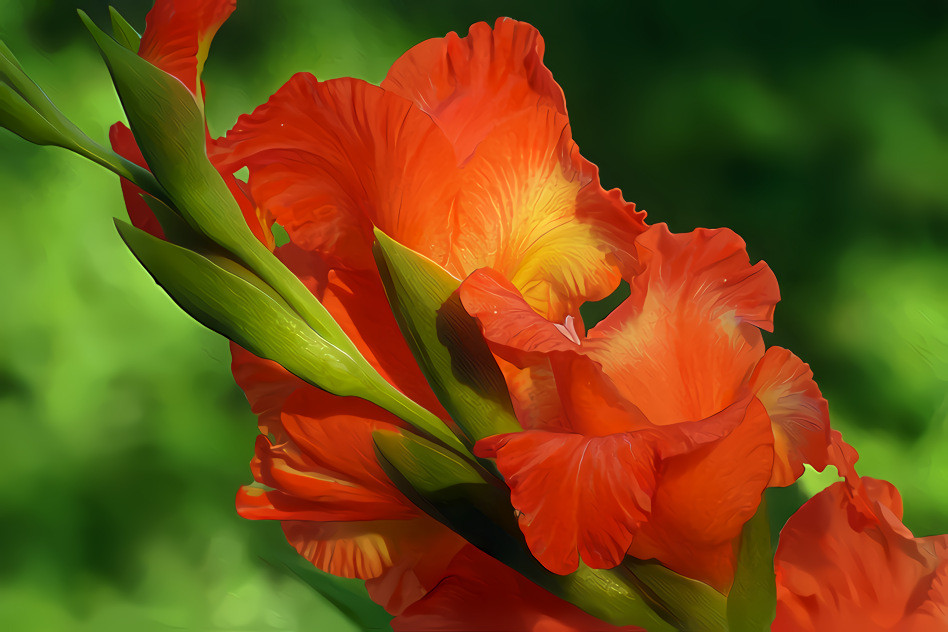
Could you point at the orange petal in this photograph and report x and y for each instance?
(845, 561)
(512, 328)
(532, 208)
(330, 159)
(843, 457)
(685, 343)
(704, 497)
(479, 594)
(470, 85)
(178, 35)
(797, 411)
(578, 497)
(370, 549)
(301, 489)
(335, 434)
(267, 385)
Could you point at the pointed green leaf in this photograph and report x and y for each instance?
(19, 117)
(228, 303)
(465, 498)
(125, 33)
(225, 296)
(692, 605)
(751, 604)
(445, 340)
(27, 111)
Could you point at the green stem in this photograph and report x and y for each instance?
(139, 176)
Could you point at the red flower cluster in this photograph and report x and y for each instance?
(653, 434)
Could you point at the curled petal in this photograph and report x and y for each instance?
(846, 561)
(469, 85)
(512, 328)
(686, 341)
(797, 411)
(300, 489)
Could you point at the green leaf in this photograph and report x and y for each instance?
(692, 605)
(469, 501)
(228, 302)
(751, 604)
(19, 117)
(445, 340)
(27, 111)
(125, 33)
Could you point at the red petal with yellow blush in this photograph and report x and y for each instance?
(578, 497)
(178, 36)
(684, 344)
(704, 497)
(479, 594)
(845, 561)
(532, 208)
(798, 412)
(469, 85)
(511, 327)
(369, 549)
(330, 159)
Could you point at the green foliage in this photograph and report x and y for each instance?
(445, 341)
(753, 596)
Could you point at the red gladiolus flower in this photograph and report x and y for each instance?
(846, 562)
(657, 433)
(464, 154)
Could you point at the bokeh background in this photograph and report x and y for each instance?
(818, 131)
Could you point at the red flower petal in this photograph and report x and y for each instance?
(470, 85)
(845, 561)
(797, 411)
(479, 594)
(368, 550)
(577, 496)
(513, 329)
(330, 159)
(704, 497)
(685, 343)
(178, 36)
(303, 489)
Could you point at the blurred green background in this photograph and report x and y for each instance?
(817, 131)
